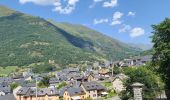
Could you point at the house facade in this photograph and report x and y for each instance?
(93, 89)
(118, 84)
(26, 93)
(74, 93)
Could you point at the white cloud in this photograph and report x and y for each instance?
(97, 0)
(117, 15)
(94, 3)
(136, 32)
(131, 13)
(39, 2)
(125, 28)
(72, 2)
(58, 6)
(67, 9)
(100, 21)
(116, 22)
(116, 18)
(110, 4)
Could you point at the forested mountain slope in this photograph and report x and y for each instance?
(26, 39)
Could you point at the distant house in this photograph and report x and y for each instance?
(26, 93)
(80, 78)
(4, 84)
(117, 82)
(62, 90)
(31, 85)
(5, 91)
(63, 78)
(71, 70)
(104, 72)
(74, 83)
(136, 61)
(17, 76)
(90, 77)
(53, 82)
(7, 80)
(74, 93)
(93, 89)
(28, 78)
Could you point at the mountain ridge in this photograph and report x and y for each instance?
(25, 39)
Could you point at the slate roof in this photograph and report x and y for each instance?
(29, 85)
(4, 84)
(48, 91)
(6, 79)
(63, 78)
(75, 91)
(68, 71)
(93, 86)
(75, 83)
(23, 91)
(72, 70)
(6, 90)
(78, 77)
(62, 90)
(54, 80)
(121, 76)
(27, 91)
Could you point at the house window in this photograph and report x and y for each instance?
(94, 95)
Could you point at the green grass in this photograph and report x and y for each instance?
(107, 84)
(59, 86)
(7, 70)
(5, 11)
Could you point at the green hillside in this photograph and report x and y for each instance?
(5, 11)
(26, 39)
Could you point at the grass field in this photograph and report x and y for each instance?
(7, 70)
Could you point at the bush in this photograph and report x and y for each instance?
(61, 85)
(152, 82)
(111, 93)
(44, 82)
(13, 86)
(42, 68)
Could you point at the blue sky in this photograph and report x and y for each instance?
(126, 20)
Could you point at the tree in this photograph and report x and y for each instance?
(13, 86)
(117, 70)
(44, 82)
(42, 68)
(61, 85)
(161, 47)
(150, 79)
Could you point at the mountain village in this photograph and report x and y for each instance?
(97, 82)
(84, 50)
